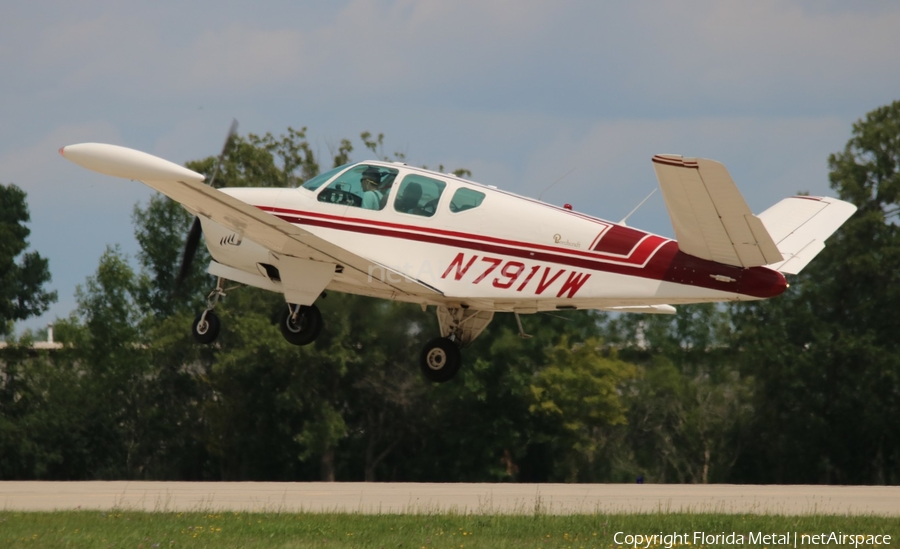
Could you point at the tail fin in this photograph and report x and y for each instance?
(799, 226)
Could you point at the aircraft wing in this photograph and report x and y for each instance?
(710, 217)
(186, 187)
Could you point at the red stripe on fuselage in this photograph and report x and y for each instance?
(639, 256)
(655, 258)
(619, 240)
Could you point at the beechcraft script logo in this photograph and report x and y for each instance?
(513, 274)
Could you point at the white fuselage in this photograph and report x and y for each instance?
(508, 253)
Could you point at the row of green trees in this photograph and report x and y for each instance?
(799, 389)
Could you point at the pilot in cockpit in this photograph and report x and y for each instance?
(373, 194)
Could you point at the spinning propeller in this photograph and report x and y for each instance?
(193, 238)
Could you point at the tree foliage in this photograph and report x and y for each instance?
(22, 274)
(825, 354)
(803, 388)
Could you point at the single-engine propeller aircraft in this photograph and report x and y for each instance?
(394, 231)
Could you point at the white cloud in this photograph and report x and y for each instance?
(743, 53)
(241, 58)
(113, 53)
(768, 159)
(534, 55)
(38, 170)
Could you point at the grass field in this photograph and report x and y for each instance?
(142, 530)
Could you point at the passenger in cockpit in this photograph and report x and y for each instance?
(409, 198)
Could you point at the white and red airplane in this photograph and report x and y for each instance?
(394, 231)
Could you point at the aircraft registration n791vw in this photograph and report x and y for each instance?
(393, 231)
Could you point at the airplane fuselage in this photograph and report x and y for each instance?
(508, 253)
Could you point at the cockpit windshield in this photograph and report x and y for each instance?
(362, 186)
(322, 178)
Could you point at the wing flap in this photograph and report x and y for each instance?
(710, 217)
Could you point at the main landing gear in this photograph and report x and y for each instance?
(441, 358)
(299, 324)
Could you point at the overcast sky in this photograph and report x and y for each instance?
(519, 92)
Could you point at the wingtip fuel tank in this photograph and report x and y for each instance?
(127, 163)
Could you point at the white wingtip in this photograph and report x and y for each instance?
(127, 163)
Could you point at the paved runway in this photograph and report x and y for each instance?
(460, 498)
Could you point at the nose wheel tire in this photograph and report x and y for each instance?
(206, 329)
(303, 327)
(440, 360)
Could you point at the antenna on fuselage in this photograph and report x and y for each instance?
(624, 219)
(555, 182)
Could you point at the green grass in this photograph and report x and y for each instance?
(140, 530)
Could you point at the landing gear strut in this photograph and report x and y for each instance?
(300, 324)
(206, 326)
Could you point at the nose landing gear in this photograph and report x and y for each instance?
(300, 324)
(206, 326)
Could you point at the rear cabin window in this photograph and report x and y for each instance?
(419, 195)
(465, 199)
(361, 187)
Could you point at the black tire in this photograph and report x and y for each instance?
(440, 360)
(305, 328)
(207, 331)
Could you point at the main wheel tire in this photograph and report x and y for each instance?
(440, 360)
(206, 330)
(305, 328)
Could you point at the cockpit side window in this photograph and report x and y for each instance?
(364, 186)
(465, 199)
(419, 195)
